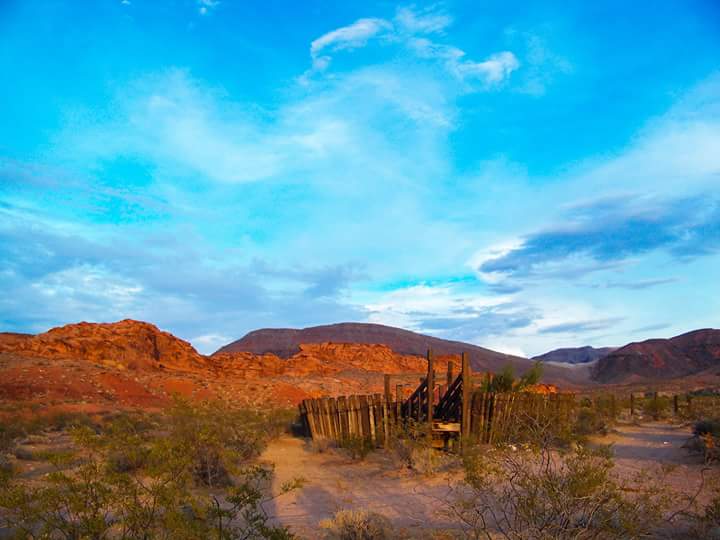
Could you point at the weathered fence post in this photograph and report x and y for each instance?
(449, 378)
(398, 402)
(430, 390)
(466, 395)
(388, 395)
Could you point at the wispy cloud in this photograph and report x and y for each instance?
(637, 285)
(206, 6)
(581, 326)
(651, 328)
(412, 29)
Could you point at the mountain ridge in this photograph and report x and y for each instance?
(661, 358)
(575, 355)
(285, 342)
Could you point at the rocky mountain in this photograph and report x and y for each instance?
(661, 359)
(325, 359)
(574, 355)
(126, 344)
(286, 342)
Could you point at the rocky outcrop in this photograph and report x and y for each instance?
(661, 359)
(125, 344)
(325, 359)
(286, 342)
(12, 340)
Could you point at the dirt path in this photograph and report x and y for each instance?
(411, 501)
(651, 446)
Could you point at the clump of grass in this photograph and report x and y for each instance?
(358, 525)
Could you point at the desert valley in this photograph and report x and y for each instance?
(89, 374)
(276, 270)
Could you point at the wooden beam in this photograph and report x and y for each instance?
(388, 394)
(430, 389)
(449, 379)
(466, 394)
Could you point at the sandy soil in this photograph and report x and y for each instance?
(333, 482)
(411, 501)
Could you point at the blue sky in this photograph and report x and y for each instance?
(521, 175)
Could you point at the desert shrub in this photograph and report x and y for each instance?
(528, 492)
(215, 437)
(409, 447)
(589, 422)
(10, 431)
(656, 407)
(358, 525)
(357, 446)
(148, 493)
(707, 427)
(506, 380)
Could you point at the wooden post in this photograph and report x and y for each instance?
(398, 401)
(632, 404)
(466, 395)
(449, 379)
(430, 390)
(388, 395)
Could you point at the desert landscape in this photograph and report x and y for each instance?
(99, 376)
(424, 270)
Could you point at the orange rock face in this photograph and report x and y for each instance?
(323, 359)
(125, 344)
(541, 389)
(134, 364)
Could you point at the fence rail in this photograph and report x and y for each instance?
(449, 410)
(455, 409)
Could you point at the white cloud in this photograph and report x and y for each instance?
(425, 22)
(494, 70)
(205, 6)
(410, 29)
(209, 343)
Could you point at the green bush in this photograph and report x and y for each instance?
(357, 446)
(529, 492)
(358, 525)
(656, 407)
(138, 481)
(589, 422)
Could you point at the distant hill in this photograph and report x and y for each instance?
(661, 359)
(285, 342)
(574, 355)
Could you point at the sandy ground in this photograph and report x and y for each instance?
(334, 482)
(411, 501)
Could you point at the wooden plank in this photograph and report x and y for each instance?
(466, 394)
(430, 390)
(398, 402)
(388, 395)
(365, 417)
(449, 376)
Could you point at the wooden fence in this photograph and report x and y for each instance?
(494, 417)
(499, 417)
(369, 417)
(451, 409)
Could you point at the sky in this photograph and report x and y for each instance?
(519, 175)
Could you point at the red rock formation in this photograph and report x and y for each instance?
(657, 359)
(125, 344)
(324, 359)
(12, 340)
